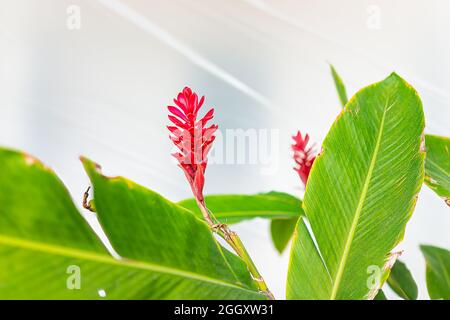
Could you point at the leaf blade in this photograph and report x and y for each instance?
(437, 165)
(437, 271)
(306, 256)
(161, 232)
(340, 87)
(234, 208)
(380, 296)
(349, 199)
(402, 282)
(42, 236)
(281, 231)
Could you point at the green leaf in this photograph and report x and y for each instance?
(340, 87)
(281, 231)
(438, 271)
(46, 247)
(42, 235)
(380, 296)
(360, 194)
(283, 208)
(401, 281)
(142, 225)
(308, 278)
(235, 208)
(437, 165)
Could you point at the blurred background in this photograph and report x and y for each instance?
(93, 77)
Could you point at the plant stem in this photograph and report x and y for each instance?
(235, 242)
(242, 252)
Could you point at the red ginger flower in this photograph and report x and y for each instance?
(192, 137)
(303, 156)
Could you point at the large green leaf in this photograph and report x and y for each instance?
(46, 247)
(437, 165)
(401, 281)
(340, 87)
(360, 194)
(234, 208)
(438, 271)
(142, 225)
(42, 235)
(282, 208)
(437, 177)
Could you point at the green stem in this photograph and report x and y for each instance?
(236, 243)
(242, 252)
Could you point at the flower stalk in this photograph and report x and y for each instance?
(194, 140)
(236, 244)
(240, 249)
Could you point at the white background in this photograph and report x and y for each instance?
(101, 91)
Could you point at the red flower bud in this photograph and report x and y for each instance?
(304, 157)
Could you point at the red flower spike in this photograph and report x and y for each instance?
(192, 138)
(304, 157)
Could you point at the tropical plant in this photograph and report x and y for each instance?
(361, 190)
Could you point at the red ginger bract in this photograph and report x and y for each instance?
(192, 137)
(304, 157)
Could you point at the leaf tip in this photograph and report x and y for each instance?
(90, 166)
(394, 75)
(332, 68)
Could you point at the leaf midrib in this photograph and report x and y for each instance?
(358, 211)
(100, 258)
